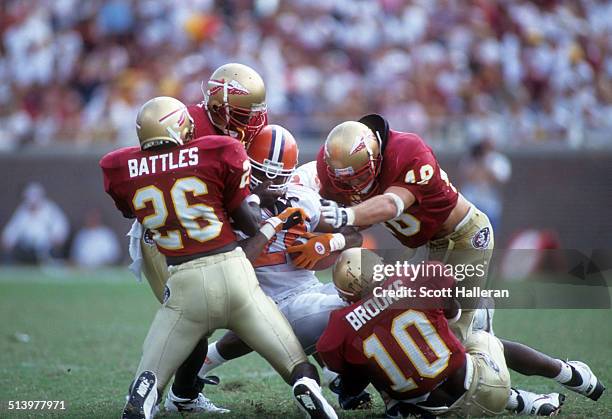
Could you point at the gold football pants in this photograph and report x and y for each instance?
(488, 376)
(471, 243)
(217, 292)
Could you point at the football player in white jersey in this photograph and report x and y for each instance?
(301, 297)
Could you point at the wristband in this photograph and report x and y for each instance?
(399, 203)
(253, 198)
(337, 242)
(267, 230)
(350, 216)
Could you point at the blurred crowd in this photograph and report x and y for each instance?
(39, 232)
(512, 72)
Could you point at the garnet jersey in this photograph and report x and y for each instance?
(277, 274)
(397, 344)
(408, 163)
(183, 194)
(202, 126)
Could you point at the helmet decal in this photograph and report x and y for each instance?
(360, 144)
(181, 118)
(233, 87)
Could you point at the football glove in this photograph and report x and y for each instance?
(290, 217)
(316, 248)
(335, 215)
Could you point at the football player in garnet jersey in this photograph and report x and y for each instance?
(184, 190)
(404, 347)
(392, 177)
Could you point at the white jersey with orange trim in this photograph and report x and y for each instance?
(306, 175)
(278, 276)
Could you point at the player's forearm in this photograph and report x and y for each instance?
(247, 217)
(253, 246)
(375, 210)
(352, 237)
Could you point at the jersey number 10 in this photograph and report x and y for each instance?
(413, 353)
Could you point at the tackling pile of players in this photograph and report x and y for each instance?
(227, 233)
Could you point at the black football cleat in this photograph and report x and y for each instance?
(142, 401)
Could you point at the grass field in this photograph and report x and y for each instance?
(86, 329)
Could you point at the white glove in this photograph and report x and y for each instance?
(135, 234)
(335, 215)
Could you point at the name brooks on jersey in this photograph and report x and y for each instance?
(373, 306)
(162, 162)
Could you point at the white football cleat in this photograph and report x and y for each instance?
(200, 404)
(310, 400)
(539, 404)
(142, 401)
(590, 386)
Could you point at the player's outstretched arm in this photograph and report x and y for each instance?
(378, 209)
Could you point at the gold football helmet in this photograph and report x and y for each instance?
(235, 100)
(163, 120)
(353, 159)
(353, 273)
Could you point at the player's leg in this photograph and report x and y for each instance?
(191, 310)
(257, 321)
(307, 313)
(574, 375)
(471, 243)
(170, 340)
(229, 347)
(186, 393)
(186, 389)
(491, 372)
(490, 379)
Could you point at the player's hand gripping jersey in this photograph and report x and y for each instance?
(188, 211)
(409, 163)
(277, 275)
(405, 352)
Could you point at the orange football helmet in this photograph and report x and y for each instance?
(274, 156)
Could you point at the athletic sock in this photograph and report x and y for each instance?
(568, 375)
(327, 376)
(212, 361)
